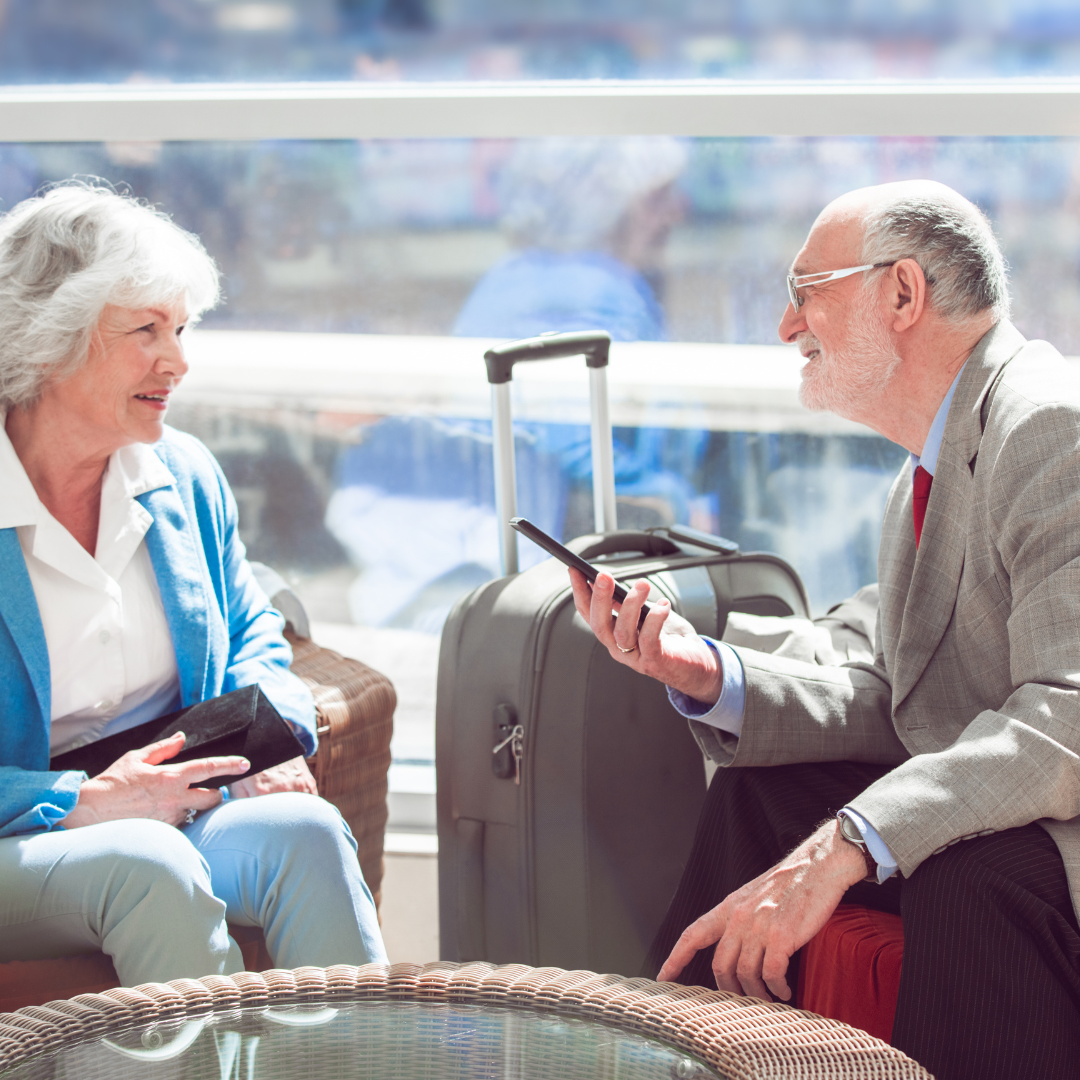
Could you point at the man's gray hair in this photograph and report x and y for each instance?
(952, 241)
(67, 253)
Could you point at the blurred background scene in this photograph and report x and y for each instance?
(387, 514)
(341, 383)
(191, 40)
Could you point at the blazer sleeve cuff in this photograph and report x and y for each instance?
(36, 801)
(727, 713)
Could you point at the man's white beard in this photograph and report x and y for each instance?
(846, 379)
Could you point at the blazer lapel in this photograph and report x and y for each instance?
(19, 610)
(936, 569)
(896, 562)
(176, 554)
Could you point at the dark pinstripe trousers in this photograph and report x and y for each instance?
(990, 985)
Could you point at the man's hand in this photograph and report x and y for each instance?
(761, 926)
(138, 785)
(289, 776)
(667, 646)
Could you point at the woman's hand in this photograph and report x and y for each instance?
(667, 647)
(289, 776)
(138, 785)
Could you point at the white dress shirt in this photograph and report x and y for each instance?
(111, 657)
(727, 713)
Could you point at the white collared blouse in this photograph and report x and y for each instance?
(111, 657)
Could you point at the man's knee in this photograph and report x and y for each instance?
(989, 869)
(828, 784)
(737, 788)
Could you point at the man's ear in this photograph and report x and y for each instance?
(906, 290)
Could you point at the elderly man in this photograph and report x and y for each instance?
(953, 758)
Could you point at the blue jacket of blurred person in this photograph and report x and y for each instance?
(534, 290)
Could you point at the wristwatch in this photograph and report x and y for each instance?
(850, 832)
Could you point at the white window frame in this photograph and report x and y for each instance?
(181, 112)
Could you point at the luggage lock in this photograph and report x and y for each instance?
(509, 744)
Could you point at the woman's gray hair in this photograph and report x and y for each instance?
(67, 253)
(953, 242)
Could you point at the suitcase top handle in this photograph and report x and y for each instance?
(594, 345)
(629, 541)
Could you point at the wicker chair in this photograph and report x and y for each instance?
(355, 709)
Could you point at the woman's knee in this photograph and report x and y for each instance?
(295, 809)
(313, 820)
(310, 810)
(139, 849)
(121, 871)
(290, 824)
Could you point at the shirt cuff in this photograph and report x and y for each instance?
(886, 864)
(727, 713)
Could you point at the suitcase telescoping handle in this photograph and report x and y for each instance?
(594, 345)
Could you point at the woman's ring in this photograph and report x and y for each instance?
(632, 648)
(189, 816)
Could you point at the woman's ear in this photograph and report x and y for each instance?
(906, 289)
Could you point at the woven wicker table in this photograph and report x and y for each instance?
(412, 1022)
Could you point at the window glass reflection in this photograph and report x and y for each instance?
(651, 239)
(400, 260)
(689, 240)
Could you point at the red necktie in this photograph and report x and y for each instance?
(920, 496)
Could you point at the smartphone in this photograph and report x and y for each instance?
(565, 555)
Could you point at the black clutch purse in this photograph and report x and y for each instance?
(242, 722)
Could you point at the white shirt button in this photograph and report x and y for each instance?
(104, 636)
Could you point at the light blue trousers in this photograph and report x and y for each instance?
(155, 898)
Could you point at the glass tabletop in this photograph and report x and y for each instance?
(369, 1041)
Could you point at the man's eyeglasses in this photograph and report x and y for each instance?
(795, 283)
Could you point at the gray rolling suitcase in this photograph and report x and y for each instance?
(568, 788)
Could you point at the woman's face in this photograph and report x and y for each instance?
(136, 360)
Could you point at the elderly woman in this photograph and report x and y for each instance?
(125, 595)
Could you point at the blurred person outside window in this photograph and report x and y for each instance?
(590, 219)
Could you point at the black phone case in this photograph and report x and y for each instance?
(242, 722)
(568, 558)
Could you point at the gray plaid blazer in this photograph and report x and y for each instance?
(974, 693)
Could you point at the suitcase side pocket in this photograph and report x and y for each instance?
(470, 890)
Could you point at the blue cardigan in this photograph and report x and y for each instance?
(224, 632)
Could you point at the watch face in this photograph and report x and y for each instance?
(851, 831)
